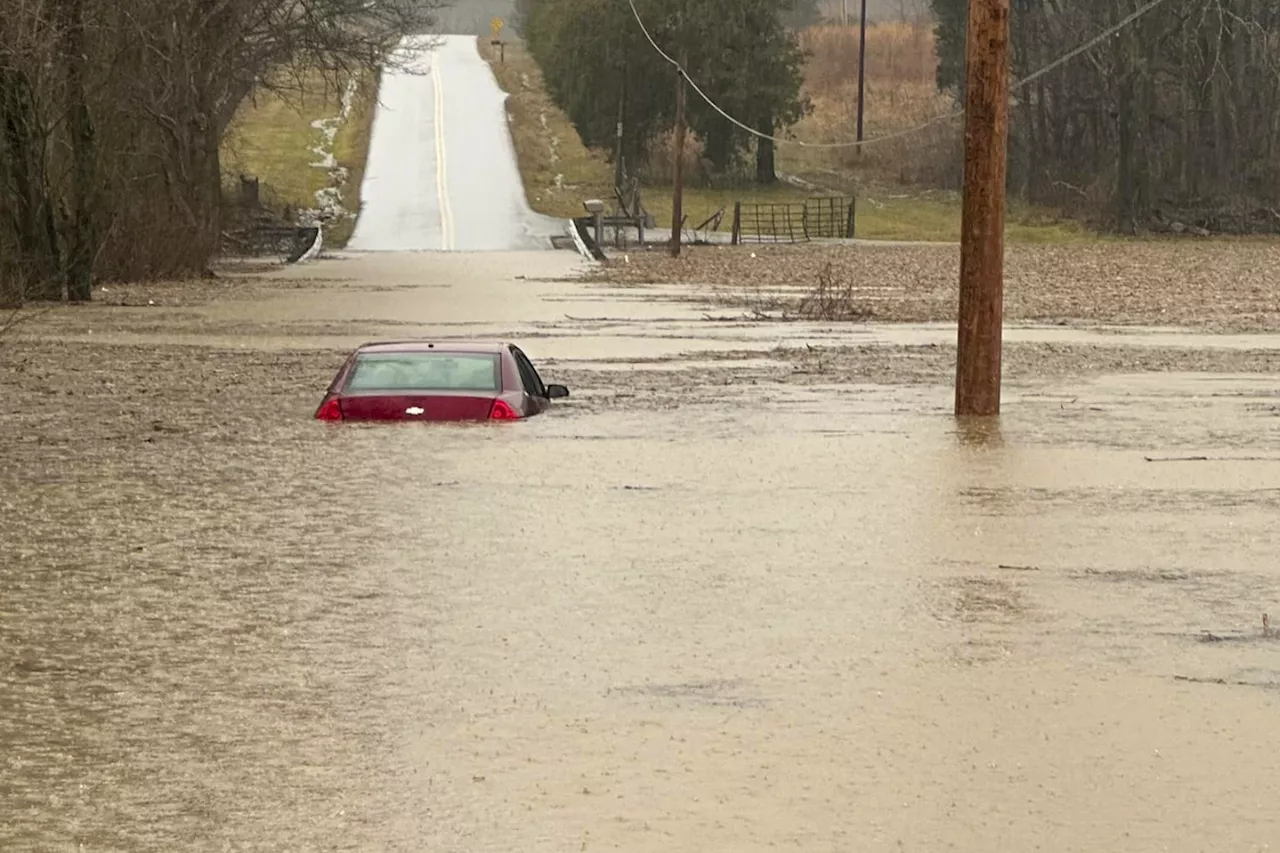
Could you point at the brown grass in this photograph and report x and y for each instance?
(900, 51)
(559, 172)
(660, 171)
(907, 186)
(901, 95)
(833, 298)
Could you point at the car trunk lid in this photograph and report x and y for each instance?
(433, 406)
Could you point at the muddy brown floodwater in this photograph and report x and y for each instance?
(750, 588)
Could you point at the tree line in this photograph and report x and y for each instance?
(604, 74)
(1174, 119)
(113, 114)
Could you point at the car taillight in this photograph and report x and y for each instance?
(329, 410)
(501, 411)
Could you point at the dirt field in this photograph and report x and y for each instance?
(1221, 285)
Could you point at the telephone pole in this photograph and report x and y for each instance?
(981, 321)
(677, 195)
(862, 68)
(619, 170)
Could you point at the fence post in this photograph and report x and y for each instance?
(737, 223)
(249, 194)
(851, 225)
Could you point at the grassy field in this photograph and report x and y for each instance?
(921, 145)
(881, 213)
(273, 138)
(560, 173)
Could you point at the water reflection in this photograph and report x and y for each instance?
(980, 432)
(981, 522)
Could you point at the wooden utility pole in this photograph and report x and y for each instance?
(619, 170)
(981, 322)
(677, 195)
(862, 68)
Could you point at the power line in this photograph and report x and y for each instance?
(1030, 78)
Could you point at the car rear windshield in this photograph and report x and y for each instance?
(425, 371)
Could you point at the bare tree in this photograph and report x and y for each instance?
(1178, 116)
(113, 112)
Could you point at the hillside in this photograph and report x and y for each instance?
(890, 180)
(467, 17)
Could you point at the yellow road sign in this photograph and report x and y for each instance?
(496, 24)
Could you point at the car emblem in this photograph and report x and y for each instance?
(413, 410)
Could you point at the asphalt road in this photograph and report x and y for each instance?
(442, 171)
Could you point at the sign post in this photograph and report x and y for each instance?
(496, 25)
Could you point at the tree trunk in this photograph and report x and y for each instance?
(1130, 118)
(34, 270)
(766, 172)
(209, 176)
(1126, 180)
(82, 245)
(1029, 149)
(718, 146)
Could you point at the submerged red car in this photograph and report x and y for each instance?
(437, 381)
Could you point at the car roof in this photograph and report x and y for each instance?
(433, 345)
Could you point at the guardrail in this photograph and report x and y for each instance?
(290, 243)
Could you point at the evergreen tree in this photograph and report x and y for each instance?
(599, 67)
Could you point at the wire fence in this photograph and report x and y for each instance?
(829, 217)
(817, 218)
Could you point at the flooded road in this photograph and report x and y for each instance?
(700, 606)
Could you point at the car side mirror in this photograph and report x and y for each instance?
(555, 392)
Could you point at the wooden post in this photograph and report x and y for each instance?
(677, 195)
(736, 237)
(981, 318)
(862, 69)
(618, 167)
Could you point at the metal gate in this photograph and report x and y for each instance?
(818, 218)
